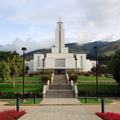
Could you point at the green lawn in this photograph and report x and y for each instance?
(92, 101)
(101, 87)
(4, 87)
(28, 102)
(26, 79)
(83, 78)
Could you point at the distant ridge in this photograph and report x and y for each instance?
(105, 48)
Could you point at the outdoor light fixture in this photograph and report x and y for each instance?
(95, 48)
(43, 65)
(24, 49)
(76, 63)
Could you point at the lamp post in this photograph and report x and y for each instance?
(76, 63)
(43, 65)
(95, 48)
(24, 49)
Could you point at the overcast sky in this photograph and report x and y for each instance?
(32, 23)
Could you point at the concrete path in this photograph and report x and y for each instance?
(114, 107)
(59, 109)
(60, 101)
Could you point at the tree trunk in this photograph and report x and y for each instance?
(13, 81)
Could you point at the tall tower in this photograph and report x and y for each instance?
(60, 39)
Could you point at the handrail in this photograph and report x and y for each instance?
(76, 91)
(72, 85)
(48, 83)
(44, 91)
(52, 77)
(67, 77)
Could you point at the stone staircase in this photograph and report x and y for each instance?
(54, 91)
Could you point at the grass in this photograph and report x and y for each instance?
(83, 78)
(101, 87)
(26, 79)
(6, 100)
(28, 102)
(4, 87)
(92, 101)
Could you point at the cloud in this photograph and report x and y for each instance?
(30, 44)
(84, 20)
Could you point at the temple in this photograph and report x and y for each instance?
(59, 61)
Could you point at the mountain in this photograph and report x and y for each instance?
(104, 48)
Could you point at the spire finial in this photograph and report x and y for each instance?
(60, 19)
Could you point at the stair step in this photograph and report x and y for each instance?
(58, 87)
(62, 94)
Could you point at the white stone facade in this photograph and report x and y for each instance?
(60, 61)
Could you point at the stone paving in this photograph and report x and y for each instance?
(60, 101)
(60, 109)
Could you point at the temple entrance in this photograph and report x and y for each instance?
(59, 71)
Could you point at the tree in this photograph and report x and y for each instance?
(100, 69)
(1, 74)
(4, 70)
(114, 66)
(16, 65)
(26, 69)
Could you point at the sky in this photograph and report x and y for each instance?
(32, 23)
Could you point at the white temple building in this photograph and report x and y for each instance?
(60, 60)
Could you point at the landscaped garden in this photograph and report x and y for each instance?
(92, 101)
(104, 89)
(84, 78)
(7, 87)
(31, 79)
(27, 102)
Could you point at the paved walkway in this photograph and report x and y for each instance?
(114, 107)
(60, 109)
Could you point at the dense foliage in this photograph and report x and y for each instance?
(73, 77)
(45, 78)
(100, 69)
(10, 64)
(31, 74)
(114, 66)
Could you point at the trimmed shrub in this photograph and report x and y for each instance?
(82, 92)
(38, 95)
(73, 77)
(1, 93)
(42, 72)
(10, 95)
(37, 73)
(31, 74)
(87, 74)
(27, 95)
(80, 73)
(45, 78)
(18, 94)
(47, 72)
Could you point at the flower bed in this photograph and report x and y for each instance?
(11, 114)
(108, 116)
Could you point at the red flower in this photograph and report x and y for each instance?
(11, 114)
(108, 116)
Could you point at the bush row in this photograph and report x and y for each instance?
(12, 95)
(82, 93)
(87, 74)
(40, 73)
